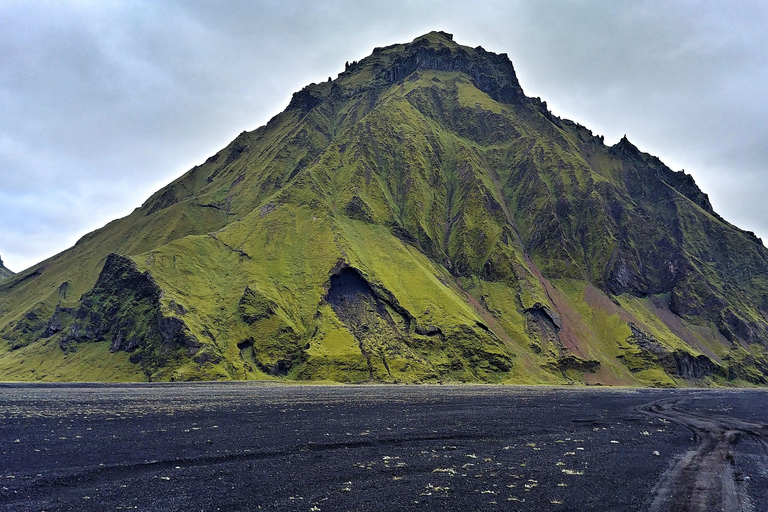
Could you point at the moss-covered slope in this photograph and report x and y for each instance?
(418, 219)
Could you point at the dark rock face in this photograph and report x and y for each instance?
(120, 288)
(305, 100)
(365, 315)
(743, 365)
(571, 362)
(348, 288)
(357, 209)
(386, 331)
(167, 198)
(59, 320)
(173, 330)
(685, 184)
(625, 276)
(692, 367)
(493, 74)
(677, 362)
(543, 327)
(123, 308)
(4, 272)
(735, 328)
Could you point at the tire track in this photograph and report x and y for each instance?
(706, 477)
(116, 472)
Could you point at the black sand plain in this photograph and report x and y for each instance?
(246, 446)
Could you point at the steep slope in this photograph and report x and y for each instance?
(417, 219)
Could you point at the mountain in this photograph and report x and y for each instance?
(417, 219)
(4, 272)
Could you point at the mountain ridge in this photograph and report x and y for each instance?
(418, 219)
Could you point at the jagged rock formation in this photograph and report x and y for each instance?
(4, 272)
(417, 219)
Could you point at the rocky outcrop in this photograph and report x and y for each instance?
(571, 362)
(689, 366)
(305, 100)
(391, 341)
(543, 327)
(4, 272)
(492, 73)
(652, 353)
(680, 181)
(123, 308)
(166, 198)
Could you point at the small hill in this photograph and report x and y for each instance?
(417, 219)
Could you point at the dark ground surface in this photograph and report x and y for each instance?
(379, 448)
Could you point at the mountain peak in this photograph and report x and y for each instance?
(625, 144)
(625, 148)
(492, 73)
(436, 37)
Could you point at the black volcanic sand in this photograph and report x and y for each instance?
(242, 446)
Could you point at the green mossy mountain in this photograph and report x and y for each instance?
(417, 219)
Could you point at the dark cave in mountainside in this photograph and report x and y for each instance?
(347, 287)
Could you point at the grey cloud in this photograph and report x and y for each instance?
(101, 104)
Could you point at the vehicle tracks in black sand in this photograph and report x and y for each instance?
(104, 473)
(707, 478)
(250, 447)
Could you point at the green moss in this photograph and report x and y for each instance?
(253, 306)
(334, 354)
(656, 378)
(745, 365)
(46, 362)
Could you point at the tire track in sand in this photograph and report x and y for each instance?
(705, 478)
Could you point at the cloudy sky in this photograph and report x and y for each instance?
(104, 102)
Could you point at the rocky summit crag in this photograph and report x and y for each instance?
(417, 219)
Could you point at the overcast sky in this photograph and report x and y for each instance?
(102, 103)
